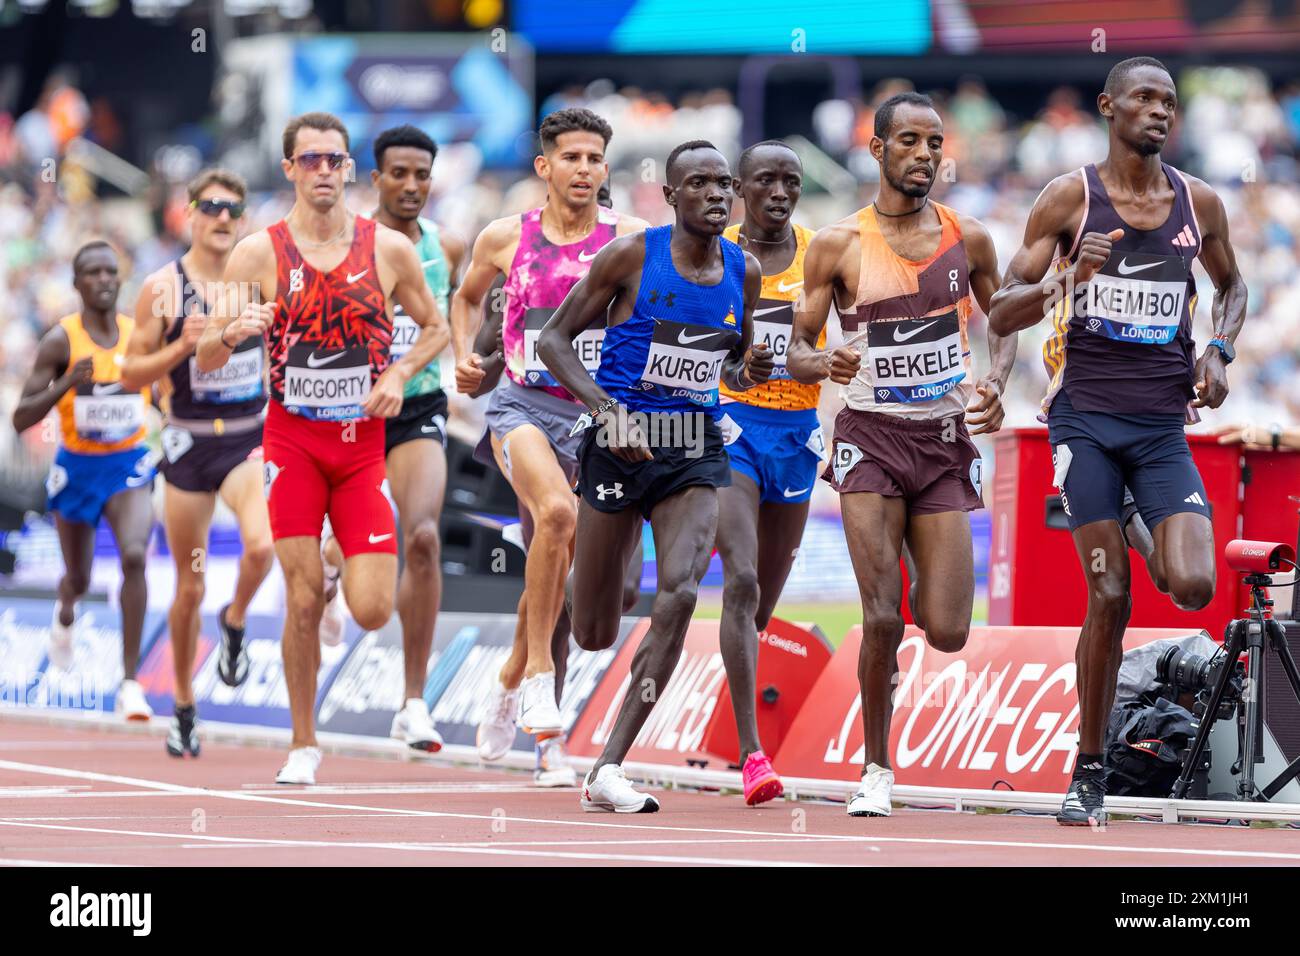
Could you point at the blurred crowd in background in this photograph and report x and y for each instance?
(1234, 129)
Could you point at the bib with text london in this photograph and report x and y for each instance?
(104, 413)
(685, 361)
(587, 344)
(326, 384)
(915, 360)
(772, 323)
(1137, 297)
(239, 380)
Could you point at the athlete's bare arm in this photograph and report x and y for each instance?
(985, 414)
(748, 366)
(1026, 297)
(824, 268)
(50, 378)
(399, 264)
(1229, 311)
(147, 359)
(453, 250)
(247, 303)
(488, 260)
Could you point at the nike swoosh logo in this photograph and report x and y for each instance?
(376, 538)
(583, 257)
(782, 287)
(685, 339)
(778, 308)
(111, 388)
(790, 494)
(354, 278)
(1127, 270)
(904, 338)
(315, 362)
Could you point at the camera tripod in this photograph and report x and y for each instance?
(1247, 635)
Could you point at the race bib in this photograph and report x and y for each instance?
(176, 442)
(239, 380)
(773, 321)
(587, 344)
(1136, 297)
(326, 384)
(405, 332)
(730, 429)
(915, 360)
(105, 414)
(817, 443)
(685, 361)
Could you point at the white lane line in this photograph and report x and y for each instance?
(419, 848)
(796, 837)
(5, 861)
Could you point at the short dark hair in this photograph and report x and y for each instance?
(319, 121)
(217, 177)
(748, 154)
(1121, 71)
(88, 247)
(885, 111)
(685, 147)
(406, 135)
(572, 120)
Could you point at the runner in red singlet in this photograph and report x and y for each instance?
(321, 284)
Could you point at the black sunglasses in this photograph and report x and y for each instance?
(213, 207)
(312, 160)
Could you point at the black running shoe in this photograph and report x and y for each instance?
(232, 660)
(1084, 802)
(183, 736)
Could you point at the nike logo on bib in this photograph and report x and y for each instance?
(586, 257)
(685, 339)
(778, 308)
(313, 361)
(110, 388)
(782, 287)
(900, 337)
(1127, 270)
(354, 278)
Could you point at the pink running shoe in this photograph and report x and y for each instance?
(761, 782)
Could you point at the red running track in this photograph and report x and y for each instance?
(93, 796)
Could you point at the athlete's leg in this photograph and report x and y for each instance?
(737, 544)
(130, 515)
(1103, 554)
(77, 542)
(417, 478)
(242, 492)
(1184, 559)
(605, 542)
(369, 580)
(543, 488)
(684, 526)
(873, 528)
(299, 558)
(780, 532)
(187, 516)
(943, 577)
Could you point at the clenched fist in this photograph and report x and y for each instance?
(1094, 250)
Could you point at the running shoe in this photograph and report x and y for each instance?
(300, 767)
(1085, 800)
(611, 790)
(183, 734)
(537, 711)
(497, 730)
(60, 647)
(553, 768)
(131, 703)
(872, 798)
(413, 726)
(232, 658)
(333, 620)
(761, 782)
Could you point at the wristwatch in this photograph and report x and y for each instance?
(1225, 349)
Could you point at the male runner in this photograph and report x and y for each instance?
(774, 441)
(1122, 235)
(212, 442)
(102, 466)
(678, 302)
(415, 440)
(530, 418)
(902, 273)
(318, 284)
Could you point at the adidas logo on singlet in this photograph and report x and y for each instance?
(1185, 238)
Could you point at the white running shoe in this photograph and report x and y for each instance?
(873, 796)
(537, 711)
(131, 703)
(497, 731)
(300, 767)
(413, 725)
(332, 620)
(553, 769)
(60, 647)
(611, 790)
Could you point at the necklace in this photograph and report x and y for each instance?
(768, 242)
(899, 215)
(327, 242)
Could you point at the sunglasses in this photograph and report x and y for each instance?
(214, 207)
(312, 160)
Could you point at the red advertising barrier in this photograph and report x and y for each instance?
(692, 719)
(1004, 709)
